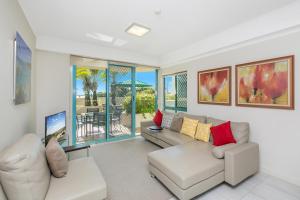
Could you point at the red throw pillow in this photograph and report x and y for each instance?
(222, 134)
(158, 118)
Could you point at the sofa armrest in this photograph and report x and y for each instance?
(146, 124)
(241, 162)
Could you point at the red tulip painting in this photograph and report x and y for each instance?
(267, 83)
(214, 86)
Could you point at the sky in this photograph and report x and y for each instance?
(147, 77)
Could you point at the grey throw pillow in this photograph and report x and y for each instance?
(176, 124)
(57, 159)
(167, 119)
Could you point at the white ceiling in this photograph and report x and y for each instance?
(180, 24)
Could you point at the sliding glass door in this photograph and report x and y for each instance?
(121, 98)
(90, 103)
(109, 102)
(146, 95)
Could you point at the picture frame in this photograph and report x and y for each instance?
(214, 86)
(266, 83)
(21, 71)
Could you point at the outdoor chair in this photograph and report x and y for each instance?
(99, 120)
(92, 110)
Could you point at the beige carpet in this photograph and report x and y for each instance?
(124, 167)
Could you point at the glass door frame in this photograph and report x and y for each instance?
(133, 101)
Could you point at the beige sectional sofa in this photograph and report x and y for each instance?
(189, 167)
(24, 174)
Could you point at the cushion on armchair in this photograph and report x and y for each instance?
(24, 172)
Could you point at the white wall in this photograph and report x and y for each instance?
(94, 51)
(276, 131)
(53, 89)
(20, 119)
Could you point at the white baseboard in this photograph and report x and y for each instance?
(291, 180)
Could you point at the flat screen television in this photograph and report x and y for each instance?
(55, 126)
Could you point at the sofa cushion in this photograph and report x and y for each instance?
(222, 134)
(200, 118)
(189, 127)
(240, 130)
(167, 119)
(158, 118)
(24, 172)
(84, 181)
(176, 124)
(187, 164)
(203, 132)
(57, 158)
(172, 138)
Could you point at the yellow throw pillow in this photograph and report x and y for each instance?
(203, 132)
(189, 127)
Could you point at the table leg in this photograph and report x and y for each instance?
(88, 152)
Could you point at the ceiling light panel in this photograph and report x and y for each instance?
(100, 36)
(137, 30)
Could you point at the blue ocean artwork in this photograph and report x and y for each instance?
(22, 71)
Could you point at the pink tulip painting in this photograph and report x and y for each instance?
(267, 83)
(214, 86)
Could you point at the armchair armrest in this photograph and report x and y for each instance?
(241, 162)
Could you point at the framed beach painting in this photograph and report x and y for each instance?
(22, 71)
(266, 83)
(214, 86)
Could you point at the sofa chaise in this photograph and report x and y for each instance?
(189, 167)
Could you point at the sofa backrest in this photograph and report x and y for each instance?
(200, 118)
(24, 171)
(240, 130)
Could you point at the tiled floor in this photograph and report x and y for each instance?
(258, 187)
(131, 167)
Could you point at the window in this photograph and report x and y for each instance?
(175, 92)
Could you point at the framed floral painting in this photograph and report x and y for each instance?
(266, 83)
(214, 86)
